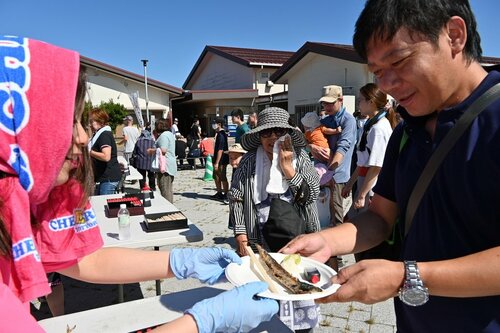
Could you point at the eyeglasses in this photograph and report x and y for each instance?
(279, 132)
(324, 104)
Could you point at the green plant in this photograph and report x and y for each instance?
(115, 111)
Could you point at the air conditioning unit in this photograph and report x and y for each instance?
(269, 83)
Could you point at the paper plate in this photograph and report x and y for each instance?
(241, 274)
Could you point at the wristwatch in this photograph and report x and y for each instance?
(413, 292)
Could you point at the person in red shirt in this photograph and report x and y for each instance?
(206, 147)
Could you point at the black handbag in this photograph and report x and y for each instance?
(194, 152)
(283, 224)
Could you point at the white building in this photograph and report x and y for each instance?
(106, 82)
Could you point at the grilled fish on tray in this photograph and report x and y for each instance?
(289, 282)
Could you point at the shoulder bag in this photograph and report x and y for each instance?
(391, 249)
(283, 224)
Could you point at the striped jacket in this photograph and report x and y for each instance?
(143, 160)
(242, 209)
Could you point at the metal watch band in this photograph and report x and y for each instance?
(412, 274)
(413, 292)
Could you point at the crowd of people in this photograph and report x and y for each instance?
(425, 54)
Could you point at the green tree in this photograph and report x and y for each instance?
(115, 111)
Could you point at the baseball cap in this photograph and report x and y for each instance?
(235, 148)
(176, 120)
(128, 118)
(331, 94)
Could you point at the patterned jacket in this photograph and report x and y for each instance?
(242, 209)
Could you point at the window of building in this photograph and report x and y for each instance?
(264, 77)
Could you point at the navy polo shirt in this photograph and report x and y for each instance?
(459, 214)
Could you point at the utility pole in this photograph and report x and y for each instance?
(145, 64)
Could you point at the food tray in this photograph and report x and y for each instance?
(140, 195)
(134, 206)
(165, 221)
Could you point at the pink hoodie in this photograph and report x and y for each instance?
(37, 94)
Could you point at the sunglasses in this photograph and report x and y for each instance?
(279, 132)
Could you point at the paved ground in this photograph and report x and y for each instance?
(192, 196)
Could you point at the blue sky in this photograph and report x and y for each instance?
(172, 34)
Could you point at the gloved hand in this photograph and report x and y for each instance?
(235, 310)
(205, 264)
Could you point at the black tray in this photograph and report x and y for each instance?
(140, 195)
(178, 221)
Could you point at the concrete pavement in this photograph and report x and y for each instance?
(192, 197)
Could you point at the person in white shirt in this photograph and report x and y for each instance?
(130, 136)
(175, 127)
(371, 145)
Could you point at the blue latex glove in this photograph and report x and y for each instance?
(205, 264)
(235, 310)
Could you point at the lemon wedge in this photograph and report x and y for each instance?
(291, 264)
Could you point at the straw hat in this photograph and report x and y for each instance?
(272, 117)
(235, 148)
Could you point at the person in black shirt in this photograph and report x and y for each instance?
(180, 148)
(107, 173)
(221, 160)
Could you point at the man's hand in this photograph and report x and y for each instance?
(368, 281)
(346, 190)
(311, 245)
(320, 153)
(216, 166)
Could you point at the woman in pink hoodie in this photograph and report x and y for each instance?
(46, 221)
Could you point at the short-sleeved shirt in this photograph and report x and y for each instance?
(132, 134)
(207, 146)
(221, 144)
(459, 213)
(65, 235)
(106, 171)
(376, 143)
(240, 130)
(317, 137)
(167, 141)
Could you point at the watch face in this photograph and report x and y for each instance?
(414, 297)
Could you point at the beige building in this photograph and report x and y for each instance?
(225, 78)
(106, 82)
(316, 65)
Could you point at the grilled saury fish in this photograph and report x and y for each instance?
(284, 278)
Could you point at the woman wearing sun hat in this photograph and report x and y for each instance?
(276, 165)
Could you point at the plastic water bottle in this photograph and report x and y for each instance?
(123, 223)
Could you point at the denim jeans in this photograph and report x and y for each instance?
(106, 188)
